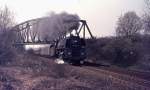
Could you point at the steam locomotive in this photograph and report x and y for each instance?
(72, 49)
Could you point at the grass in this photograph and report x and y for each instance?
(37, 73)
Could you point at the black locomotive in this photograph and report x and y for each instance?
(72, 49)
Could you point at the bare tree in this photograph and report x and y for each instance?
(6, 22)
(6, 19)
(146, 17)
(129, 24)
(146, 23)
(7, 52)
(147, 6)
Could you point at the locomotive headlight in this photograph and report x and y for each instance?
(69, 53)
(82, 53)
(83, 47)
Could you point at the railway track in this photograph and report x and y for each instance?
(134, 82)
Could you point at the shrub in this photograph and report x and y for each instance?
(7, 51)
(125, 51)
(120, 51)
(94, 48)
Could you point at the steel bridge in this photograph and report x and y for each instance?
(26, 36)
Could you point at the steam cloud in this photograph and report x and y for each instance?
(56, 25)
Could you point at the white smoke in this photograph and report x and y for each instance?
(56, 25)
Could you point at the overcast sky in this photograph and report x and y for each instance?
(101, 15)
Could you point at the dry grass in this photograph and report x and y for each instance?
(29, 72)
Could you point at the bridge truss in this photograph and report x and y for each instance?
(26, 36)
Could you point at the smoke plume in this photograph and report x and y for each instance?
(55, 26)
